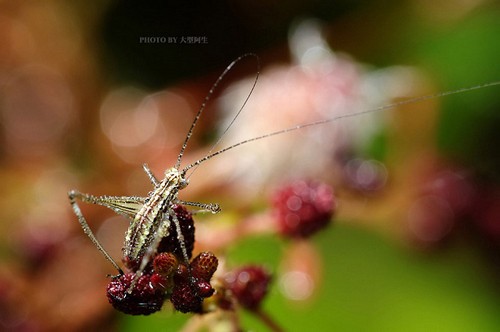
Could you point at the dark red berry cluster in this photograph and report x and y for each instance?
(167, 276)
(192, 284)
(446, 195)
(452, 197)
(487, 216)
(302, 208)
(248, 285)
(170, 243)
(147, 295)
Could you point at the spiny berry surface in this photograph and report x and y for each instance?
(185, 297)
(192, 285)
(165, 264)
(302, 208)
(147, 295)
(204, 266)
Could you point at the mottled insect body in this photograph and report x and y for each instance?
(149, 220)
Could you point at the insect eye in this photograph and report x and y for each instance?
(183, 183)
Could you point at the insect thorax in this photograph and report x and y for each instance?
(152, 221)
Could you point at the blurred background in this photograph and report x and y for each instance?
(90, 91)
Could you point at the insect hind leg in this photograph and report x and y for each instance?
(73, 196)
(205, 207)
(152, 249)
(150, 252)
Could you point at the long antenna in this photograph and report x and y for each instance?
(348, 115)
(239, 111)
(204, 104)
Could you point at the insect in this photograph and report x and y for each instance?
(149, 216)
(153, 217)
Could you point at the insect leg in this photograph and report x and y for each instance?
(151, 176)
(212, 207)
(180, 236)
(162, 232)
(73, 195)
(146, 258)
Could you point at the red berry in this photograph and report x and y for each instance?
(130, 264)
(430, 221)
(193, 285)
(186, 298)
(447, 194)
(487, 214)
(161, 282)
(204, 266)
(453, 186)
(204, 288)
(181, 274)
(303, 208)
(165, 263)
(165, 275)
(249, 285)
(170, 243)
(146, 297)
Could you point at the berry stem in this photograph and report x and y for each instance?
(266, 319)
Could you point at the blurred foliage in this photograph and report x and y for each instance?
(466, 55)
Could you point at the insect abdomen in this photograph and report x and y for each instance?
(147, 223)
